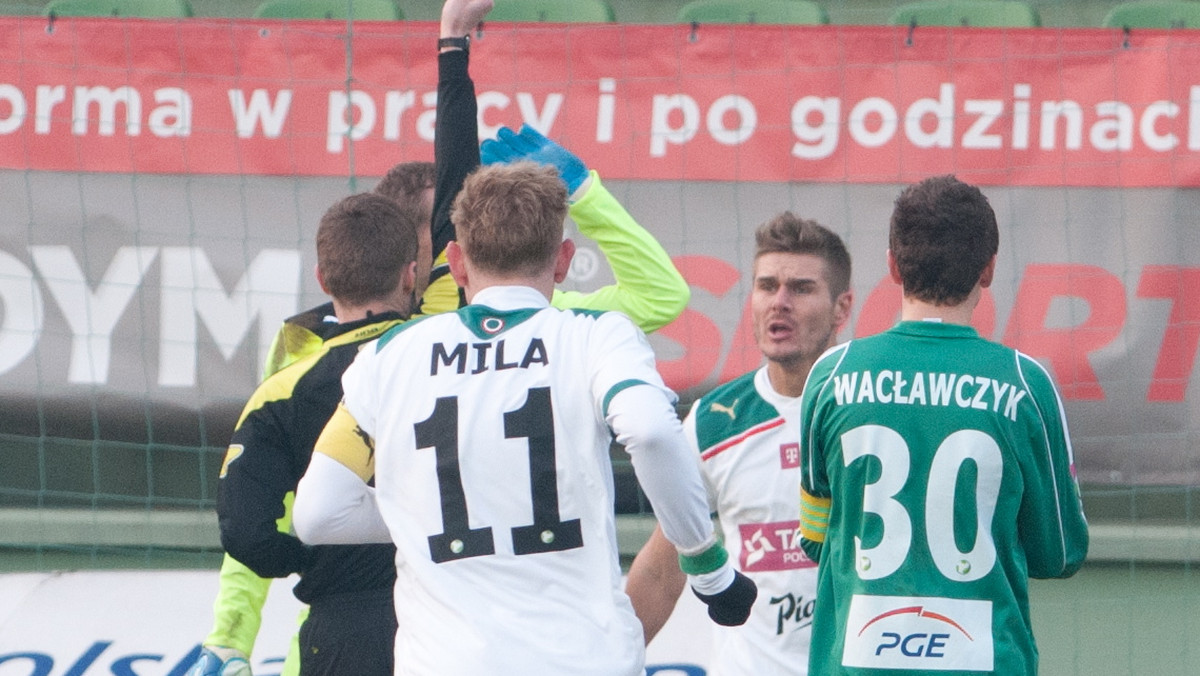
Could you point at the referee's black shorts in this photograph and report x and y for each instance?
(353, 633)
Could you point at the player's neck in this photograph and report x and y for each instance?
(913, 309)
(351, 313)
(544, 284)
(788, 379)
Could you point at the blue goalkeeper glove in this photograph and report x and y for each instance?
(530, 145)
(731, 606)
(217, 660)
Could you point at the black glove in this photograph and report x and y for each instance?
(731, 607)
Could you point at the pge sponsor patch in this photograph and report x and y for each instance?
(919, 633)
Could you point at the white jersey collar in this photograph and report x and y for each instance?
(762, 383)
(510, 298)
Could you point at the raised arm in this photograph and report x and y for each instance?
(456, 136)
(648, 288)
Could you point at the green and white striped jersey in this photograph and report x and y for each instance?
(748, 438)
(937, 477)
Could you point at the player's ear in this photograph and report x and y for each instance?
(989, 271)
(458, 268)
(841, 308)
(893, 270)
(408, 280)
(320, 279)
(562, 263)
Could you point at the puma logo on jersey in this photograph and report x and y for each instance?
(717, 407)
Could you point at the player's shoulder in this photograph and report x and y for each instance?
(391, 334)
(831, 359)
(281, 385)
(601, 319)
(731, 389)
(730, 410)
(589, 313)
(1031, 371)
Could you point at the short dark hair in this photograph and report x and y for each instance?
(364, 242)
(406, 181)
(788, 233)
(509, 217)
(943, 234)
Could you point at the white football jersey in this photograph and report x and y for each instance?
(492, 473)
(748, 437)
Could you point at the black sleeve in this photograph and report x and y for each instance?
(251, 494)
(455, 141)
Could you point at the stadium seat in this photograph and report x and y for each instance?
(556, 11)
(1153, 14)
(19, 8)
(796, 12)
(362, 10)
(979, 13)
(147, 9)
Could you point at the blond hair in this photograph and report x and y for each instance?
(509, 217)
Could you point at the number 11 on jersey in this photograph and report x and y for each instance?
(533, 421)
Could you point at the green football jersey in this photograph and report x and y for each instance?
(937, 477)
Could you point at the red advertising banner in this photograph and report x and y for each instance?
(857, 104)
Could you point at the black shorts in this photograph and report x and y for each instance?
(349, 634)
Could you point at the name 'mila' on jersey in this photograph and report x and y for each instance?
(937, 477)
(492, 472)
(483, 357)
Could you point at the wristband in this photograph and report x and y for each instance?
(463, 43)
(705, 562)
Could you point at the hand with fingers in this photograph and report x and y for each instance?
(220, 661)
(460, 17)
(530, 145)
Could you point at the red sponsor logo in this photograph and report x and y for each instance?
(789, 455)
(772, 546)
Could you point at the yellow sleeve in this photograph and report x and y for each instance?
(814, 522)
(237, 611)
(241, 594)
(648, 288)
(344, 441)
(442, 294)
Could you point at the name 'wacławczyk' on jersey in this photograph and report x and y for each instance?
(937, 477)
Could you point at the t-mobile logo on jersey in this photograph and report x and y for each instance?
(772, 546)
(789, 455)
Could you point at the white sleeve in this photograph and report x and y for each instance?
(644, 421)
(689, 432)
(335, 507)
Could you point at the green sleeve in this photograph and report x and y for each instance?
(648, 288)
(815, 494)
(1051, 523)
(237, 612)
